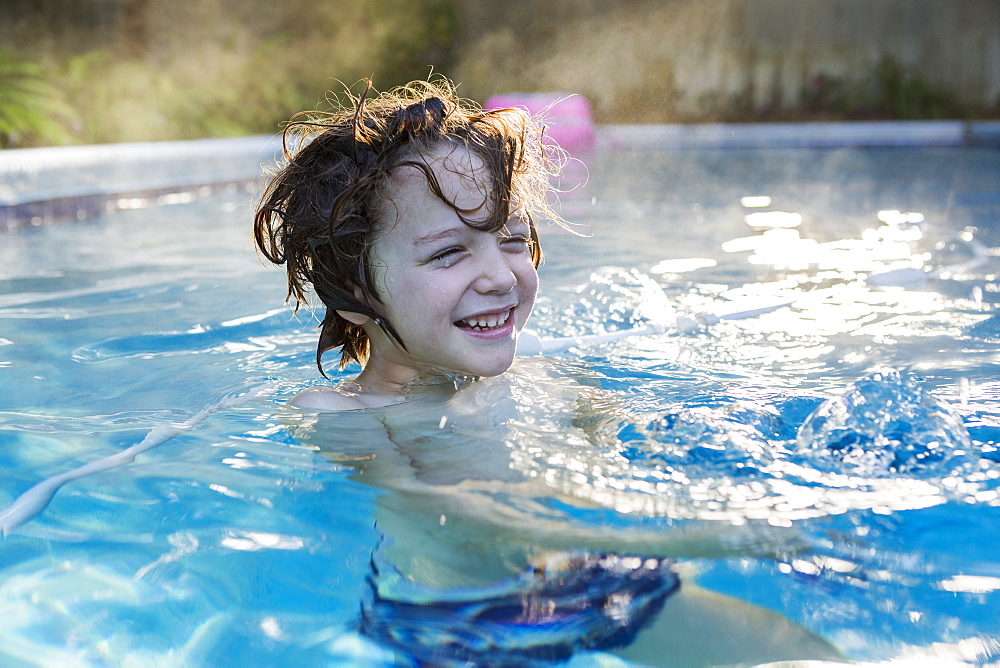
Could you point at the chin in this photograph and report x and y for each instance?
(494, 372)
(495, 368)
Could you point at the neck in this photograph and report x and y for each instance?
(380, 378)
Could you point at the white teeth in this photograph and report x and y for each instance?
(487, 323)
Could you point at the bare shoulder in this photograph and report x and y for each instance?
(326, 399)
(333, 399)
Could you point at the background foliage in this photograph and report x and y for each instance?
(141, 70)
(94, 71)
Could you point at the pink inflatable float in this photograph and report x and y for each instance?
(567, 117)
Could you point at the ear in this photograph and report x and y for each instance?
(350, 316)
(355, 318)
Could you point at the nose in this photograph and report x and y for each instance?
(495, 273)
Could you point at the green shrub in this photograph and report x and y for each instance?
(32, 111)
(214, 68)
(898, 92)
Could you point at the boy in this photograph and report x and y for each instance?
(413, 217)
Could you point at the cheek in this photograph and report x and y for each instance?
(528, 279)
(397, 295)
(418, 300)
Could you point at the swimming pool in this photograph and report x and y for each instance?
(833, 457)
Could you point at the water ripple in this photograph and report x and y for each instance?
(257, 332)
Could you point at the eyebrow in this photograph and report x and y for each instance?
(433, 238)
(436, 237)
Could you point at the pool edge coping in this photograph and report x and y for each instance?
(854, 134)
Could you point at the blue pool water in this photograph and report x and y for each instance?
(833, 457)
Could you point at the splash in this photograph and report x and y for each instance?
(619, 299)
(886, 423)
(886, 444)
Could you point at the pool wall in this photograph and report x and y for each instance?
(61, 184)
(39, 186)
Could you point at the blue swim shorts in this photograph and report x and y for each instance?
(576, 602)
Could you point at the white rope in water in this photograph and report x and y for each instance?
(34, 500)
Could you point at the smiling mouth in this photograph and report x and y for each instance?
(484, 323)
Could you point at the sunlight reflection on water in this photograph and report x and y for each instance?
(777, 431)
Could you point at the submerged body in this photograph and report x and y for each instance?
(470, 514)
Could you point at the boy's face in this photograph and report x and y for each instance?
(458, 297)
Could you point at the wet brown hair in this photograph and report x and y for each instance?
(324, 207)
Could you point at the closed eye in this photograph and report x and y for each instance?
(516, 243)
(448, 256)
